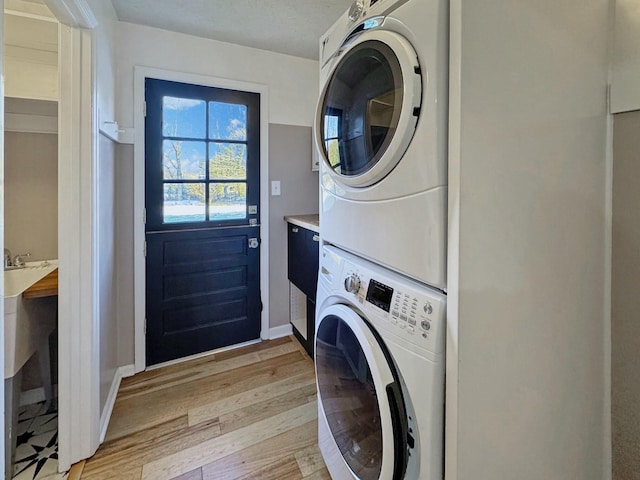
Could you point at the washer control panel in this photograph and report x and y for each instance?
(404, 307)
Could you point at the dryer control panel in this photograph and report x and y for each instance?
(409, 310)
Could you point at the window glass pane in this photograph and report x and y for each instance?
(227, 121)
(228, 161)
(183, 160)
(183, 202)
(333, 153)
(183, 117)
(227, 201)
(331, 126)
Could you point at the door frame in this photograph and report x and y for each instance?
(78, 331)
(139, 262)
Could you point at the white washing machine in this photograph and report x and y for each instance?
(381, 134)
(380, 360)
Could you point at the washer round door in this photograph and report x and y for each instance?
(369, 107)
(360, 396)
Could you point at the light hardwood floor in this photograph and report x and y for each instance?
(248, 413)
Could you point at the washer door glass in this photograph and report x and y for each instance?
(372, 97)
(367, 429)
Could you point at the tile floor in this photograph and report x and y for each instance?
(37, 445)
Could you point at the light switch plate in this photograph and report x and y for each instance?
(275, 188)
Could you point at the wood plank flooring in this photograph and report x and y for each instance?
(248, 413)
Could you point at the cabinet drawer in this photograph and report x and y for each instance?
(302, 259)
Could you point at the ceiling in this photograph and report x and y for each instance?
(292, 27)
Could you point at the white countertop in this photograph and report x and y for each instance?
(310, 222)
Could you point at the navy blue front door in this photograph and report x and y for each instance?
(202, 194)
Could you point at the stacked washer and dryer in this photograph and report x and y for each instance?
(381, 133)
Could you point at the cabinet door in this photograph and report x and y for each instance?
(303, 259)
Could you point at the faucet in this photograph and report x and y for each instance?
(7, 258)
(18, 260)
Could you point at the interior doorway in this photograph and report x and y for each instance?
(31, 47)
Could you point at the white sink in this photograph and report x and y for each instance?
(27, 323)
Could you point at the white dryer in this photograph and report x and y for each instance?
(380, 361)
(381, 134)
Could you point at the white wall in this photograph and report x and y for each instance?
(107, 268)
(31, 194)
(625, 93)
(104, 54)
(293, 87)
(292, 81)
(31, 59)
(105, 51)
(289, 163)
(526, 355)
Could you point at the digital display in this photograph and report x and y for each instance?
(380, 295)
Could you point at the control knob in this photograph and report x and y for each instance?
(356, 10)
(352, 283)
(428, 309)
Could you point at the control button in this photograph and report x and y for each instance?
(394, 321)
(425, 325)
(428, 308)
(412, 321)
(410, 329)
(403, 325)
(424, 335)
(403, 317)
(395, 313)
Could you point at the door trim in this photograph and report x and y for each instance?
(139, 294)
(79, 353)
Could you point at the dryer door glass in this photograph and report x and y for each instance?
(349, 397)
(361, 108)
(360, 396)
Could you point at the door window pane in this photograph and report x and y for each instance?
(184, 202)
(349, 397)
(227, 201)
(228, 161)
(183, 160)
(183, 117)
(227, 121)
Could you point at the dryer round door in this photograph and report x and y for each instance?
(360, 395)
(369, 107)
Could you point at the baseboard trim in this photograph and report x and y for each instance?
(29, 397)
(128, 371)
(122, 372)
(280, 331)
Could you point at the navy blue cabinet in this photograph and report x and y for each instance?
(304, 248)
(302, 269)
